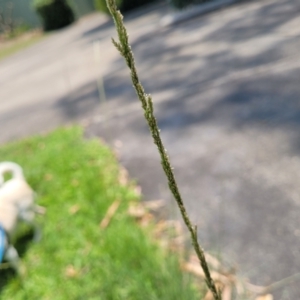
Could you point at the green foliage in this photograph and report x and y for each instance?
(19, 30)
(55, 14)
(123, 5)
(180, 4)
(41, 3)
(77, 181)
(101, 5)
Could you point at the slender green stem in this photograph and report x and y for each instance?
(124, 48)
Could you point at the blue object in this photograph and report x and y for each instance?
(2, 243)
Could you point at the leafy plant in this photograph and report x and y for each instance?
(124, 48)
(55, 14)
(78, 181)
(180, 4)
(101, 5)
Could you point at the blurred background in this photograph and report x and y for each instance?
(224, 76)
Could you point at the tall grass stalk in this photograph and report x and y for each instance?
(124, 48)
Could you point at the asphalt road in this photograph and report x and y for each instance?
(226, 92)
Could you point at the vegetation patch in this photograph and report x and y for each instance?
(91, 247)
(55, 14)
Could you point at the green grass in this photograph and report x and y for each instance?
(119, 262)
(17, 44)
